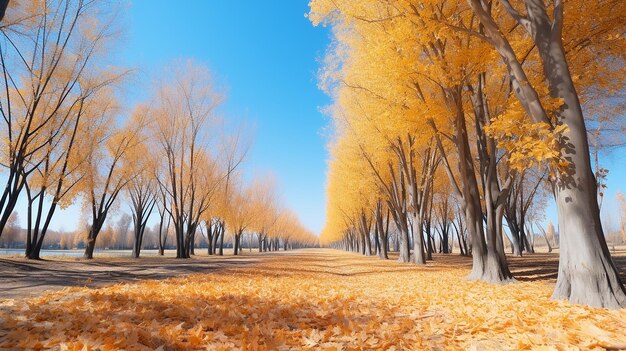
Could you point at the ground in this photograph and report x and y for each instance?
(306, 299)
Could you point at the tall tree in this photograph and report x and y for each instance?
(142, 186)
(186, 130)
(587, 274)
(50, 59)
(107, 173)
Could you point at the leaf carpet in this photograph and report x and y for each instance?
(310, 300)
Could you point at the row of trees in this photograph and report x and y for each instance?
(454, 118)
(68, 138)
(118, 234)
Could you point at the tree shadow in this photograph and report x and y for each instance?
(530, 267)
(545, 266)
(22, 278)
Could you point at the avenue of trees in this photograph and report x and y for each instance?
(68, 137)
(454, 121)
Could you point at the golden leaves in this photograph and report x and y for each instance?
(529, 144)
(318, 299)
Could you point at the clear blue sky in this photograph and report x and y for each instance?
(265, 55)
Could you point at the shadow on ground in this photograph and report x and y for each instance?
(530, 267)
(22, 278)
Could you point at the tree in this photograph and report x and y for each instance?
(189, 176)
(142, 186)
(266, 211)
(519, 203)
(59, 179)
(241, 211)
(107, 173)
(61, 104)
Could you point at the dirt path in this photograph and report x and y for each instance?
(21, 278)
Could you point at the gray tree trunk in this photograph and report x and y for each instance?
(587, 274)
(419, 256)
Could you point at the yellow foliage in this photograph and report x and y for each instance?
(529, 144)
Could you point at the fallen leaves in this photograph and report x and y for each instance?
(321, 300)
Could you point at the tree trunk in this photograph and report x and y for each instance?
(445, 239)
(516, 241)
(385, 236)
(376, 240)
(587, 274)
(526, 243)
(210, 235)
(192, 243)
(180, 238)
(221, 251)
(365, 234)
(136, 249)
(91, 238)
(368, 244)
(138, 239)
(216, 235)
(405, 254)
(163, 238)
(486, 264)
(236, 244)
(91, 245)
(430, 248)
(418, 240)
(35, 250)
(461, 243)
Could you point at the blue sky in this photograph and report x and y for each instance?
(265, 56)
